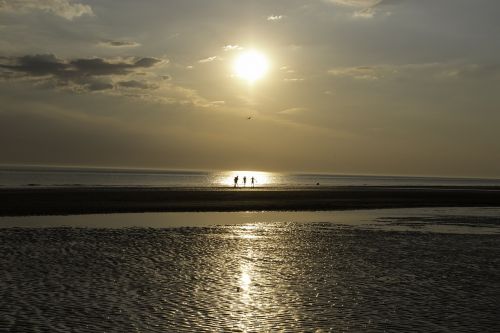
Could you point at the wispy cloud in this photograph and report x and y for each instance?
(64, 8)
(275, 17)
(118, 43)
(359, 73)
(292, 111)
(364, 8)
(209, 59)
(426, 71)
(230, 47)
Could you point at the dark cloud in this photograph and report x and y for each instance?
(137, 84)
(100, 66)
(36, 65)
(147, 62)
(49, 64)
(99, 85)
(81, 72)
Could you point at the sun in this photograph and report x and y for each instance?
(251, 66)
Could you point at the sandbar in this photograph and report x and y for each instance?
(96, 200)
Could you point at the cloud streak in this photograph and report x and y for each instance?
(209, 59)
(118, 43)
(63, 8)
(365, 8)
(428, 71)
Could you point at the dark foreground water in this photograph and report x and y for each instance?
(253, 277)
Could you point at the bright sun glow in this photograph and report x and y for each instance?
(261, 178)
(251, 66)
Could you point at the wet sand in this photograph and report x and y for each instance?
(313, 277)
(92, 200)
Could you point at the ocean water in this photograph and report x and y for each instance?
(52, 176)
(402, 270)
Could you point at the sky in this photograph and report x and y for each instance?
(394, 87)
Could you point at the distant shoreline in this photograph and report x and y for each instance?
(100, 200)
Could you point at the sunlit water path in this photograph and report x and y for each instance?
(367, 271)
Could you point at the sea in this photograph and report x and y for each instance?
(380, 270)
(30, 176)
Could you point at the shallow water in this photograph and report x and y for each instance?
(255, 276)
(465, 220)
(32, 176)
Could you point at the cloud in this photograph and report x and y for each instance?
(365, 8)
(49, 64)
(359, 73)
(35, 65)
(98, 85)
(232, 48)
(422, 71)
(92, 74)
(275, 17)
(64, 8)
(472, 71)
(209, 59)
(118, 43)
(292, 111)
(114, 76)
(100, 66)
(134, 84)
(356, 3)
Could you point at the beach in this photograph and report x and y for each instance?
(87, 258)
(208, 265)
(253, 277)
(91, 200)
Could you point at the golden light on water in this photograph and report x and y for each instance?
(251, 66)
(247, 232)
(261, 178)
(245, 280)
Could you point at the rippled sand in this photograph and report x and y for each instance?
(260, 277)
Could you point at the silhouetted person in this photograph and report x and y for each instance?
(245, 181)
(235, 181)
(253, 181)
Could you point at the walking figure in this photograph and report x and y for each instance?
(245, 181)
(253, 181)
(235, 181)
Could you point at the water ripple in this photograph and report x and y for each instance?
(255, 278)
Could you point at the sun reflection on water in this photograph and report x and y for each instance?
(261, 178)
(245, 279)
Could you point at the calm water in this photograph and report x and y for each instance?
(44, 176)
(405, 270)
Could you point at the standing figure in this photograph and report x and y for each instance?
(245, 181)
(235, 181)
(253, 181)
